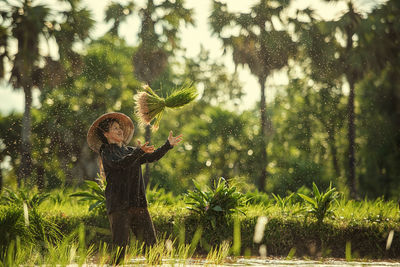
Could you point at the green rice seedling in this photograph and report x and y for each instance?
(236, 236)
(215, 207)
(134, 249)
(31, 197)
(95, 195)
(42, 228)
(115, 255)
(84, 252)
(11, 226)
(182, 252)
(157, 195)
(257, 198)
(70, 249)
(218, 254)
(367, 211)
(150, 106)
(195, 240)
(348, 251)
(283, 202)
(291, 254)
(63, 252)
(17, 254)
(102, 254)
(322, 203)
(155, 253)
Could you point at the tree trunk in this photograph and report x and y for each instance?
(1, 179)
(332, 146)
(40, 177)
(263, 140)
(25, 169)
(147, 138)
(351, 78)
(307, 128)
(351, 137)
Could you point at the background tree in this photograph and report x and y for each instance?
(261, 47)
(334, 54)
(10, 142)
(118, 13)
(217, 86)
(318, 62)
(352, 70)
(379, 98)
(28, 23)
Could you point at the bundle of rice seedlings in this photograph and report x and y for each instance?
(151, 107)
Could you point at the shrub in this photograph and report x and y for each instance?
(215, 207)
(95, 195)
(158, 195)
(321, 204)
(256, 197)
(30, 197)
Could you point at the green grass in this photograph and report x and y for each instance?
(355, 229)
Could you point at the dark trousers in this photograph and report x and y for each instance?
(138, 221)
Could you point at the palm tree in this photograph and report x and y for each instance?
(351, 60)
(349, 64)
(117, 13)
(331, 60)
(260, 46)
(318, 43)
(28, 23)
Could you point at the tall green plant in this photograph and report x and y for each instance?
(322, 203)
(31, 198)
(283, 202)
(27, 23)
(215, 206)
(95, 194)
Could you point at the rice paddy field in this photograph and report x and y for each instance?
(60, 229)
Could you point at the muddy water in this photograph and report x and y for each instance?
(268, 262)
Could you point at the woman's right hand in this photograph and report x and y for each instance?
(145, 147)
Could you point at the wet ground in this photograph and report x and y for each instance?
(269, 262)
(256, 261)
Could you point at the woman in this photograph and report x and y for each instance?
(125, 192)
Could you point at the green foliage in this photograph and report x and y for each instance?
(32, 198)
(283, 202)
(364, 223)
(31, 228)
(256, 198)
(159, 196)
(321, 204)
(11, 226)
(218, 254)
(95, 195)
(215, 206)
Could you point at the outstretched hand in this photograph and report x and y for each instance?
(174, 140)
(145, 147)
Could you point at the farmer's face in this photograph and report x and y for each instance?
(115, 135)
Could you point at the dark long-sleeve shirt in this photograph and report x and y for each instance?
(122, 167)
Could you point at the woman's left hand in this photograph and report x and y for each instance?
(174, 140)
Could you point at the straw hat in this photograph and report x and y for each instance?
(124, 121)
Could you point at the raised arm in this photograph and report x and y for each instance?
(161, 151)
(116, 160)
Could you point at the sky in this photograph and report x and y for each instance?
(191, 39)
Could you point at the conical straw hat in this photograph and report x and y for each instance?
(125, 122)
